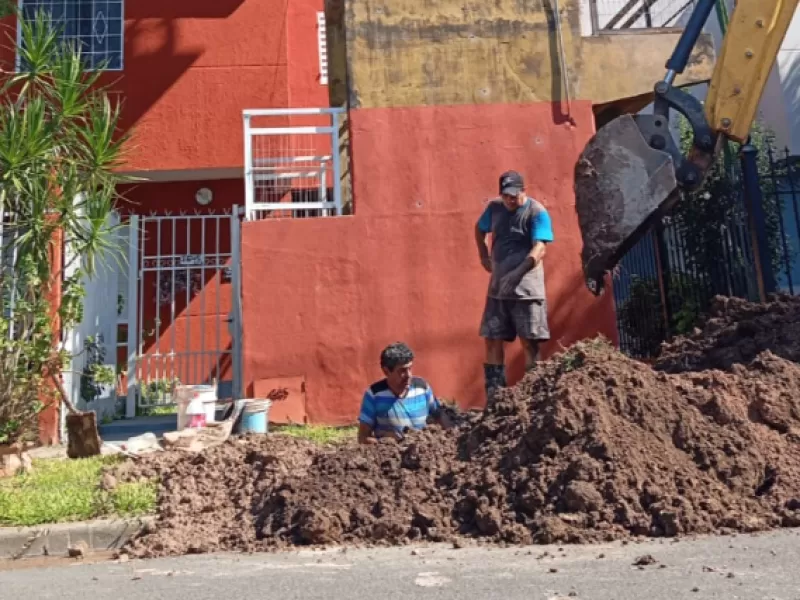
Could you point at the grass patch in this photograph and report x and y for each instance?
(68, 490)
(318, 434)
(158, 410)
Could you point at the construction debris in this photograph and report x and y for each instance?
(591, 446)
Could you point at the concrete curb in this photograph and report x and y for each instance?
(54, 540)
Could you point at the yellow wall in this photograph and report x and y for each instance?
(436, 52)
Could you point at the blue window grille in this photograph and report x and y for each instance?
(94, 26)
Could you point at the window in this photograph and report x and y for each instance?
(95, 26)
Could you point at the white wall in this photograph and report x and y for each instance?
(99, 319)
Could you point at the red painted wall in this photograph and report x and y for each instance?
(322, 297)
(192, 66)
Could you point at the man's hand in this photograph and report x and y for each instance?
(486, 261)
(509, 282)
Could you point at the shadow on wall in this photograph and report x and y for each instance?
(161, 65)
(177, 9)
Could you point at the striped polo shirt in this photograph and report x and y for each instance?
(386, 413)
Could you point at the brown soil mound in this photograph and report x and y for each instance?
(735, 332)
(209, 501)
(388, 493)
(592, 446)
(596, 446)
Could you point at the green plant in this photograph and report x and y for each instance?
(60, 153)
(96, 373)
(159, 389)
(642, 315)
(709, 217)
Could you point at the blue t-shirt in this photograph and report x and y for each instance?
(514, 233)
(386, 413)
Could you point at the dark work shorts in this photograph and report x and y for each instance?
(507, 319)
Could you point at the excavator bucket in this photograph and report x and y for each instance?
(621, 186)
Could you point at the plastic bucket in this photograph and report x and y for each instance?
(255, 416)
(196, 405)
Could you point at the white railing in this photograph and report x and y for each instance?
(292, 165)
(609, 16)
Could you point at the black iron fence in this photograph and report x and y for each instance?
(738, 236)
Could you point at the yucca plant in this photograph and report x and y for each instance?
(60, 153)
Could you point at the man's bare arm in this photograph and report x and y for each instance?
(483, 248)
(535, 256)
(365, 434)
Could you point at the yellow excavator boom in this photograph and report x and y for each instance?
(632, 172)
(755, 34)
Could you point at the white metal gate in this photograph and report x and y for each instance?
(183, 309)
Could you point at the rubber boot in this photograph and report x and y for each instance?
(495, 377)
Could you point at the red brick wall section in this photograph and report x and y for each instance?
(322, 297)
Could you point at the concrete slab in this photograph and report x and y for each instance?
(53, 540)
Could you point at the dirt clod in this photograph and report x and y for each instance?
(645, 560)
(591, 446)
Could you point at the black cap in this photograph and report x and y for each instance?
(511, 183)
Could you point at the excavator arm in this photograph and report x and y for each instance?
(632, 172)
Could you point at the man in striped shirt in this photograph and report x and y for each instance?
(398, 402)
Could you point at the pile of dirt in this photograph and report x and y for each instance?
(209, 501)
(389, 493)
(735, 331)
(590, 446)
(597, 447)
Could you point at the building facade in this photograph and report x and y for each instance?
(432, 101)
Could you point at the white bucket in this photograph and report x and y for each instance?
(197, 405)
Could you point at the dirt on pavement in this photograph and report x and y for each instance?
(591, 446)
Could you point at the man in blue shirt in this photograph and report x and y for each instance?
(516, 303)
(398, 402)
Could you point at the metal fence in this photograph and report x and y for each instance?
(782, 192)
(183, 313)
(732, 238)
(609, 16)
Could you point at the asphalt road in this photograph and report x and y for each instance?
(747, 567)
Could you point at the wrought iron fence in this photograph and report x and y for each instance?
(732, 238)
(783, 192)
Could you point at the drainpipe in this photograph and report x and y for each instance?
(562, 57)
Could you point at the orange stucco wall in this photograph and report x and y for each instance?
(192, 66)
(321, 297)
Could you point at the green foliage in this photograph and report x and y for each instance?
(69, 490)
(95, 372)
(641, 316)
(59, 153)
(709, 216)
